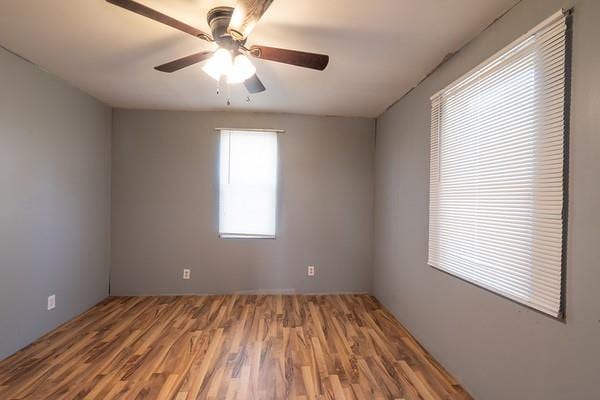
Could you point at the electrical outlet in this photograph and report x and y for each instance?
(51, 302)
(311, 270)
(186, 274)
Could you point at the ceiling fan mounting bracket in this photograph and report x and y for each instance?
(206, 37)
(254, 51)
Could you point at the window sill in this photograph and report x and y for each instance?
(241, 236)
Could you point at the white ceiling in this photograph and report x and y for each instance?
(379, 49)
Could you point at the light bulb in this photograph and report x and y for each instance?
(219, 64)
(242, 69)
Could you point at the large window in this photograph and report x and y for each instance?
(497, 171)
(248, 184)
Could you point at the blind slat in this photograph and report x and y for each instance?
(497, 171)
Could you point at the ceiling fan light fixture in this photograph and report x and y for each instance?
(219, 64)
(242, 70)
(230, 28)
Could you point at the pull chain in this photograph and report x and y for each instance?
(248, 99)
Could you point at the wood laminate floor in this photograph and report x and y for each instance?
(228, 347)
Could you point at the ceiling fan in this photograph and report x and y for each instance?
(230, 28)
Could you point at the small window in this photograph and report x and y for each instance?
(497, 171)
(248, 184)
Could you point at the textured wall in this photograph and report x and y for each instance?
(165, 206)
(499, 349)
(54, 201)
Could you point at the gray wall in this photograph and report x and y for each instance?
(54, 202)
(498, 349)
(165, 206)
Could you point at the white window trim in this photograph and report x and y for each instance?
(246, 235)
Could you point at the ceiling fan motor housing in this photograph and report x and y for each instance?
(218, 19)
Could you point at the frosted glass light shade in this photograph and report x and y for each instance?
(242, 70)
(219, 64)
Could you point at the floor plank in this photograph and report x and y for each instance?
(229, 347)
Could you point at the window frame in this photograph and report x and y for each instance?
(246, 236)
(566, 15)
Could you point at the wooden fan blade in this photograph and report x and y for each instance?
(254, 85)
(184, 62)
(245, 16)
(160, 17)
(293, 57)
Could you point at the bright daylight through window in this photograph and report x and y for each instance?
(248, 184)
(497, 171)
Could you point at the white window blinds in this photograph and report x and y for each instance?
(248, 184)
(496, 178)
